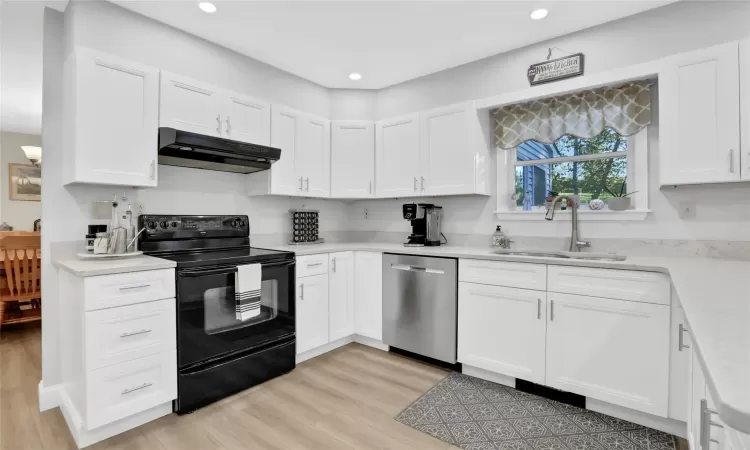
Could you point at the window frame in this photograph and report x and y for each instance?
(637, 180)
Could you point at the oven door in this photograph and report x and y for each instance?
(207, 326)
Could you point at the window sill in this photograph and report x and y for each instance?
(583, 215)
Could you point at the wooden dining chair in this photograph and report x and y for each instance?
(20, 259)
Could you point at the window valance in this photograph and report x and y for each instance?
(585, 114)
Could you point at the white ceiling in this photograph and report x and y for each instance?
(386, 41)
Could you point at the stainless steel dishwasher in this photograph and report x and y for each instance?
(420, 304)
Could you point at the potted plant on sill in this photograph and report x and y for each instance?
(620, 201)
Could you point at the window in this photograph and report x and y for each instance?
(602, 167)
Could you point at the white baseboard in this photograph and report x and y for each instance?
(49, 396)
(324, 349)
(664, 424)
(370, 342)
(489, 376)
(84, 437)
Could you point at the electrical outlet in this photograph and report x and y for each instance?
(366, 213)
(687, 209)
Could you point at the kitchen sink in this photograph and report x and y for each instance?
(561, 255)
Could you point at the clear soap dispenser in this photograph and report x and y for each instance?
(498, 237)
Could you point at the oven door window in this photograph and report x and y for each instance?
(207, 324)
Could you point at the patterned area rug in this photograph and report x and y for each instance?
(479, 415)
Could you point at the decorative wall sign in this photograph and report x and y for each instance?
(556, 69)
(25, 182)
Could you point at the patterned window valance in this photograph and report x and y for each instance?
(626, 109)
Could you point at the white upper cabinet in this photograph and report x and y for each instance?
(616, 351)
(112, 120)
(368, 294)
(398, 165)
(452, 150)
(285, 126)
(340, 295)
(190, 105)
(199, 107)
(745, 113)
(352, 159)
(313, 161)
(699, 102)
(246, 119)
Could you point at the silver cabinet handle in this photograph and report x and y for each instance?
(539, 308)
(680, 339)
(422, 183)
(370, 186)
(138, 286)
(416, 269)
(218, 124)
(228, 125)
(551, 310)
(136, 333)
(153, 169)
(315, 264)
(731, 160)
(307, 184)
(302, 291)
(137, 388)
(300, 183)
(415, 184)
(333, 262)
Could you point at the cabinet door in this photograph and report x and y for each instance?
(115, 120)
(352, 158)
(696, 395)
(246, 119)
(368, 294)
(700, 116)
(616, 351)
(447, 146)
(397, 157)
(190, 105)
(679, 364)
(745, 113)
(285, 126)
(313, 159)
(340, 295)
(502, 330)
(312, 312)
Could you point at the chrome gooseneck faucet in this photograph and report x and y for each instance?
(575, 242)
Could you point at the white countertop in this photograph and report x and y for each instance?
(713, 293)
(93, 267)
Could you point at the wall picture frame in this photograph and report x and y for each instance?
(25, 182)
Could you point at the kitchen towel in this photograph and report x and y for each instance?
(247, 291)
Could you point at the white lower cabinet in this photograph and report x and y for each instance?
(612, 350)
(502, 330)
(368, 294)
(340, 295)
(312, 312)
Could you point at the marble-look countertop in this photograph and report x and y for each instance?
(713, 293)
(94, 267)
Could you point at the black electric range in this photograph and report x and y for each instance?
(219, 355)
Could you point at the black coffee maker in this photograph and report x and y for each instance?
(425, 224)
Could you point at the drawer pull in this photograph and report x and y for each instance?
(136, 333)
(138, 286)
(315, 264)
(539, 308)
(137, 388)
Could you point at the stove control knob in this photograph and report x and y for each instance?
(242, 223)
(164, 224)
(235, 223)
(174, 224)
(151, 224)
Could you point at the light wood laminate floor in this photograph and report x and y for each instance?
(345, 399)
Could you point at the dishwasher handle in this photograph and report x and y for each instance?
(409, 268)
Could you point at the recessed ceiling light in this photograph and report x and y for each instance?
(207, 7)
(355, 76)
(539, 14)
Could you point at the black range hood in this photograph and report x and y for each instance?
(185, 149)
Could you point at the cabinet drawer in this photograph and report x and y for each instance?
(117, 335)
(647, 287)
(125, 389)
(122, 289)
(312, 265)
(502, 273)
